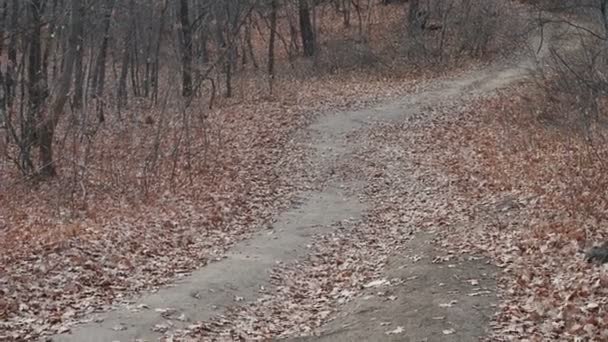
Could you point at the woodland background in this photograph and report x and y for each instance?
(140, 138)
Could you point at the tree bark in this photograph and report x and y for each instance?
(604, 9)
(413, 17)
(346, 12)
(3, 94)
(47, 126)
(306, 31)
(37, 92)
(79, 81)
(202, 28)
(156, 66)
(12, 55)
(186, 43)
(273, 34)
(126, 58)
(50, 37)
(99, 77)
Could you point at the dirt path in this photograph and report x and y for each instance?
(237, 277)
(432, 301)
(419, 308)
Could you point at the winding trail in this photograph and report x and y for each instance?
(246, 268)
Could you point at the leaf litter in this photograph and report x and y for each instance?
(57, 263)
(548, 291)
(463, 172)
(308, 293)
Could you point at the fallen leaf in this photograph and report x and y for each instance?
(377, 283)
(120, 327)
(398, 330)
(448, 305)
(448, 331)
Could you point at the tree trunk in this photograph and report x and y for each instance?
(228, 71)
(50, 40)
(249, 43)
(79, 81)
(604, 8)
(37, 91)
(126, 58)
(47, 126)
(11, 73)
(186, 44)
(135, 84)
(273, 34)
(156, 66)
(124, 72)
(413, 17)
(346, 12)
(202, 27)
(204, 50)
(3, 94)
(306, 31)
(99, 77)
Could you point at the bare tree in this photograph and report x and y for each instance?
(271, 42)
(131, 45)
(46, 126)
(306, 30)
(3, 90)
(122, 95)
(185, 35)
(79, 81)
(37, 94)
(604, 10)
(414, 24)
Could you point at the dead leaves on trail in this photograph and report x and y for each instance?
(59, 263)
(502, 188)
(522, 183)
(307, 293)
(525, 197)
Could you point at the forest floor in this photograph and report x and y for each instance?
(364, 252)
(388, 227)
